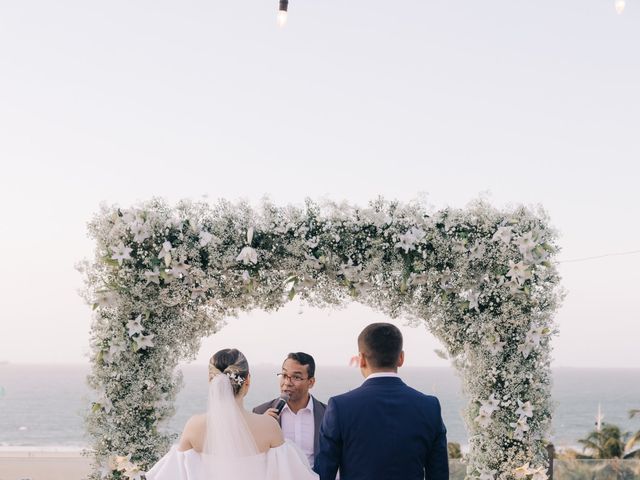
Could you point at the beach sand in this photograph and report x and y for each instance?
(23, 464)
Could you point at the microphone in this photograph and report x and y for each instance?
(282, 401)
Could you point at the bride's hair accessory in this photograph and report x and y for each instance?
(237, 379)
(233, 364)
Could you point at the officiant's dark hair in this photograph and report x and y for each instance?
(304, 359)
(230, 361)
(381, 344)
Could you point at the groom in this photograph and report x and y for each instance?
(383, 430)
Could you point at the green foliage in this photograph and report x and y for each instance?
(454, 450)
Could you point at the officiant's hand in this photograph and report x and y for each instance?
(272, 412)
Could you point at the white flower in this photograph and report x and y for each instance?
(152, 276)
(525, 348)
(446, 282)
(535, 335)
(503, 234)
(144, 341)
(487, 475)
(248, 255)
(417, 279)
(495, 345)
(408, 240)
(133, 472)
(518, 272)
(472, 296)
(165, 252)
(526, 244)
(246, 278)
(106, 298)
(539, 473)
(128, 217)
(523, 471)
(524, 409)
(114, 349)
(140, 232)
(491, 405)
(120, 253)
(198, 292)
(106, 469)
(477, 251)
(520, 428)
(377, 218)
(121, 462)
(205, 238)
(532, 340)
(249, 235)
(483, 419)
(349, 271)
(104, 401)
(312, 262)
(135, 326)
(459, 247)
(178, 270)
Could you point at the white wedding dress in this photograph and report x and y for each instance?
(286, 462)
(230, 451)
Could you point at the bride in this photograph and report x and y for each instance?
(229, 442)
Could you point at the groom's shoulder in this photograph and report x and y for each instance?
(346, 396)
(428, 400)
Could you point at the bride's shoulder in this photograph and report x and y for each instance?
(266, 431)
(193, 433)
(264, 423)
(197, 420)
(263, 420)
(195, 425)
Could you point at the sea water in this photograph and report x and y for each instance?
(44, 406)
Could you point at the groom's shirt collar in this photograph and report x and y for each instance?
(383, 374)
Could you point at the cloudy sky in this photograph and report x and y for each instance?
(513, 101)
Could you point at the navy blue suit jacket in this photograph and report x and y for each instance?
(383, 430)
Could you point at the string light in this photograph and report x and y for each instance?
(282, 13)
(620, 4)
(584, 259)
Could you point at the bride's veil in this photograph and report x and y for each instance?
(228, 440)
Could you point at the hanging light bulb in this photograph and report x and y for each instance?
(620, 4)
(282, 13)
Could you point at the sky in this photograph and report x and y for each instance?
(511, 101)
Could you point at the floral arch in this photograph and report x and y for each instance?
(480, 279)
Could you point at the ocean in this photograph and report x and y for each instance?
(43, 406)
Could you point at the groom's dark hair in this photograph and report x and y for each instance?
(381, 344)
(304, 359)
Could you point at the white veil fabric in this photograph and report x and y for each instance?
(230, 451)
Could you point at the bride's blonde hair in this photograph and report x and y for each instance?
(232, 363)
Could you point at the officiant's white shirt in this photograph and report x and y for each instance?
(299, 427)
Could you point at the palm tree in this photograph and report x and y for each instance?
(603, 444)
(610, 442)
(633, 440)
(454, 450)
(607, 447)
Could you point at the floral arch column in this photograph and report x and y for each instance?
(480, 279)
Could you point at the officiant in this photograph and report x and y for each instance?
(302, 415)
